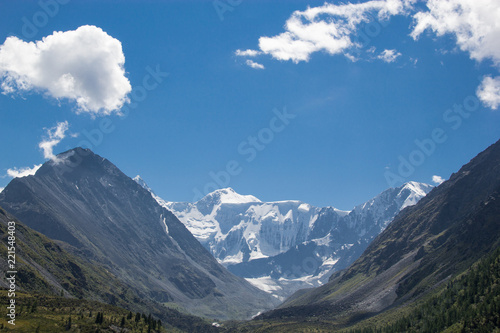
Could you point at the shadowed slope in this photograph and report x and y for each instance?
(456, 224)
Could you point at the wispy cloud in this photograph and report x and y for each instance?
(85, 66)
(329, 28)
(23, 172)
(54, 136)
(247, 53)
(389, 56)
(255, 65)
(437, 179)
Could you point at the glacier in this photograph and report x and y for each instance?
(283, 246)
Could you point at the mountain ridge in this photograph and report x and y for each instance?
(86, 201)
(427, 244)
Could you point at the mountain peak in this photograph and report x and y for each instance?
(420, 188)
(410, 193)
(227, 196)
(84, 200)
(138, 179)
(417, 192)
(77, 162)
(81, 153)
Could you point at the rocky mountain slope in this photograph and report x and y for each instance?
(426, 245)
(84, 200)
(46, 267)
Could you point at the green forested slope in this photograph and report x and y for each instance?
(469, 303)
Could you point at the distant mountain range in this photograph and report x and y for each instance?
(83, 200)
(285, 246)
(429, 249)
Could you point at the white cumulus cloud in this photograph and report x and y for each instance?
(330, 28)
(85, 66)
(489, 92)
(254, 64)
(437, 179)
(23, 172)
(476, 27)
(389, 56)
(474, 23)
(54, 136)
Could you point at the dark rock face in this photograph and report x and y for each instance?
(86, 201)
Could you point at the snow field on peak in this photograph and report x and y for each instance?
(270, 243)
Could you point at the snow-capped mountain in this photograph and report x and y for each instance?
(284, 246)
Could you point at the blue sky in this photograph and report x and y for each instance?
(306, 114)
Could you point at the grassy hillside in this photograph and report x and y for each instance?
(38, 313)
(59, 282)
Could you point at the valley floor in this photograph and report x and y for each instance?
(468, 303)
(39, 313)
